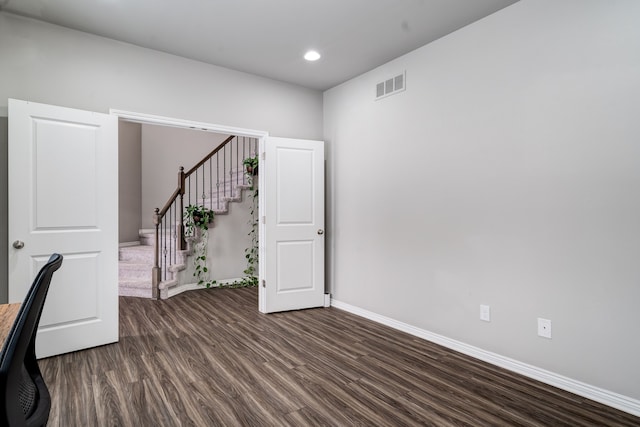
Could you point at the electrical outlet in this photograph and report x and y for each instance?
(485, 313)
(544, 328)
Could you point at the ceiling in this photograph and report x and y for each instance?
(269, 37)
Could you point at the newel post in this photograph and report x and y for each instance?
(182, 243)
(155, 273)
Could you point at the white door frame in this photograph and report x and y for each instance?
(187, 124)
(216, 128)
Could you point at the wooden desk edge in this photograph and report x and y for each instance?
(8, 314)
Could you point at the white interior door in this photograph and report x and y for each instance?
(292, 197)
(63, 197)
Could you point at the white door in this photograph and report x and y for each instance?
(63, 197)
(292, 197)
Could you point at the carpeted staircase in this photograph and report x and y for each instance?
(136, 262)
(134, 267)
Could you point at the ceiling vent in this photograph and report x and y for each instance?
(390, 86)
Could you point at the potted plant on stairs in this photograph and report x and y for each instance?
(251, 165)
(196, 221)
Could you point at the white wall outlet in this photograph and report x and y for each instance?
(485, 313)
(544, 328)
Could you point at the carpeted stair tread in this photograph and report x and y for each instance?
(136, 253)
(135, 283)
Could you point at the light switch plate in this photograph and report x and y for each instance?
(485, 313)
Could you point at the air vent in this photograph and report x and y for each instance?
(390, 86)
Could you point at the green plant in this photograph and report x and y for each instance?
(199, 217)
(251, 165)
(251, 253)
(245, 282)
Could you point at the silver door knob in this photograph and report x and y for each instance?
(18, 244)
(321, 232)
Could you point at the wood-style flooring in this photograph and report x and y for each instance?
(209, 358)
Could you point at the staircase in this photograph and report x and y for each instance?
(134, 268)
(136, 262)
(215, 182)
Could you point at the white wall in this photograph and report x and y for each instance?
(506, 174)
(129, 180)
(50, 64)
(164, 150)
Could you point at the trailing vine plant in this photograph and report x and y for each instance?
(198, 218)
(251, 253)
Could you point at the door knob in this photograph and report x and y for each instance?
(321, 232)
(18, 244)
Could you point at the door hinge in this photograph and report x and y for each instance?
(264, 283)
(264, 155)
(264, 219)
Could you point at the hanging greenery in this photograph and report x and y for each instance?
(251, 253)
(198, 218)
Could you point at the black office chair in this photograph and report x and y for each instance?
(24, 397)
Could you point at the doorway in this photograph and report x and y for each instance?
(163, 173)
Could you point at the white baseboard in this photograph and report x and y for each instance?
(127, 244)
(615, 400)
(178, 289)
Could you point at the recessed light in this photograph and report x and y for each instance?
(312, 55)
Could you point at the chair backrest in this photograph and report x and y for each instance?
(18, 354)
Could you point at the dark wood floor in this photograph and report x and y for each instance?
(208, 358)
